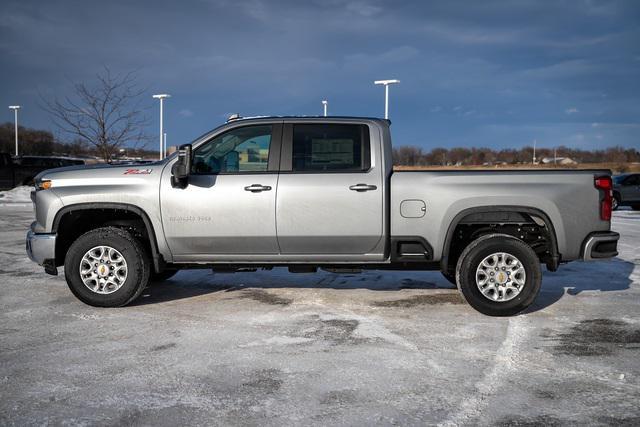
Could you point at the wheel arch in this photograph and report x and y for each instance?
(502, 209)
(158, 260)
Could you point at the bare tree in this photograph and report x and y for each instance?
(107, 115)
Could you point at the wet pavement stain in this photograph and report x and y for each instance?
(338, 397)
(429, 299)
(265, 297)
(537, 421)
(620, 421)
(597, 337)
(333, 331)
(545, 394)
(265, 380)
(163, 347)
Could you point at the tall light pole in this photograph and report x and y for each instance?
(161, 97)
(386, 84)
(324, 105)
(15, 109)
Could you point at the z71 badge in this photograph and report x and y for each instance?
(138, 171)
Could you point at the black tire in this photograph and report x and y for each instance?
(450, 276)
(635, 206)
(136, 257)
(615, 202)
(165, 274)
(484, 246)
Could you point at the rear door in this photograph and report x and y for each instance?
(330, 192)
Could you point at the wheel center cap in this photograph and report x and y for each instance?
(501, 277)
(103, 270)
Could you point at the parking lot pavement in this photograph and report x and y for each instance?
(276, 348)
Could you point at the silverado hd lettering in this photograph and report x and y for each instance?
(311, 193)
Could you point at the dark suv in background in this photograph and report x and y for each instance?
(16, 171)
(626, 191)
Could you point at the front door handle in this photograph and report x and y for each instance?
(362, 187)
(256, 188)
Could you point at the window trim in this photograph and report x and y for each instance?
(274, 150)
(286, 157)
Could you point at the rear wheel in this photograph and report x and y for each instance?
(107, 267)
(499, 275)
(636, 206)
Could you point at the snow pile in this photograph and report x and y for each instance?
(16, 195)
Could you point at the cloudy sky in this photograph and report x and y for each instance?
(474, 73)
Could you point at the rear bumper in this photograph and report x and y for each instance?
(600, 245)
(41, 247)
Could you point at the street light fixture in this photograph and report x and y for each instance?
(161, 97)
(386, 84)
(324, 105)
(15, 109)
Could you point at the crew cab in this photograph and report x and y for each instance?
(309, 193)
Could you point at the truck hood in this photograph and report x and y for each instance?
(90, 175)
(101, 170)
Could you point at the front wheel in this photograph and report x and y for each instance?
(499, 275)
(107, 267)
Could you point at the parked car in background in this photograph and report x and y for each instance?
(626, 191)
(16, 171)
(309, 193)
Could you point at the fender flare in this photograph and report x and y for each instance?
(158, 260)
(555, 255)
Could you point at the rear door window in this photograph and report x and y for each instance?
(330, 148)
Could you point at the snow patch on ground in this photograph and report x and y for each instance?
(20, 195)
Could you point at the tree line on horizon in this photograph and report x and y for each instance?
(102, 117)
(43, 143)
(461, 156)
(35, 142)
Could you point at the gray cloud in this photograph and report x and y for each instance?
(514, 67)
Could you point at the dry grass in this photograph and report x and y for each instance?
(616, 168)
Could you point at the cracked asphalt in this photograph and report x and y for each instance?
(273, 348)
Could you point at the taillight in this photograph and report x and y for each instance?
(605, 184)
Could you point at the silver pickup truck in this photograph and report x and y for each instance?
(309, 193)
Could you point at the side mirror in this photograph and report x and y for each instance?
(182, 167)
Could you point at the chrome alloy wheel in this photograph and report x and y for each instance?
(103, 269)
(500, 277)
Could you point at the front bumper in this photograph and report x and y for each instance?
(600, 245)
(41, 247)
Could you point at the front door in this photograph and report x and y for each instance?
(228, 208)
(330, 195)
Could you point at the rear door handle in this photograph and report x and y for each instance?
(363, 187)
(256, 188)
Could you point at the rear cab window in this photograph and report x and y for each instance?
(329, 147)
